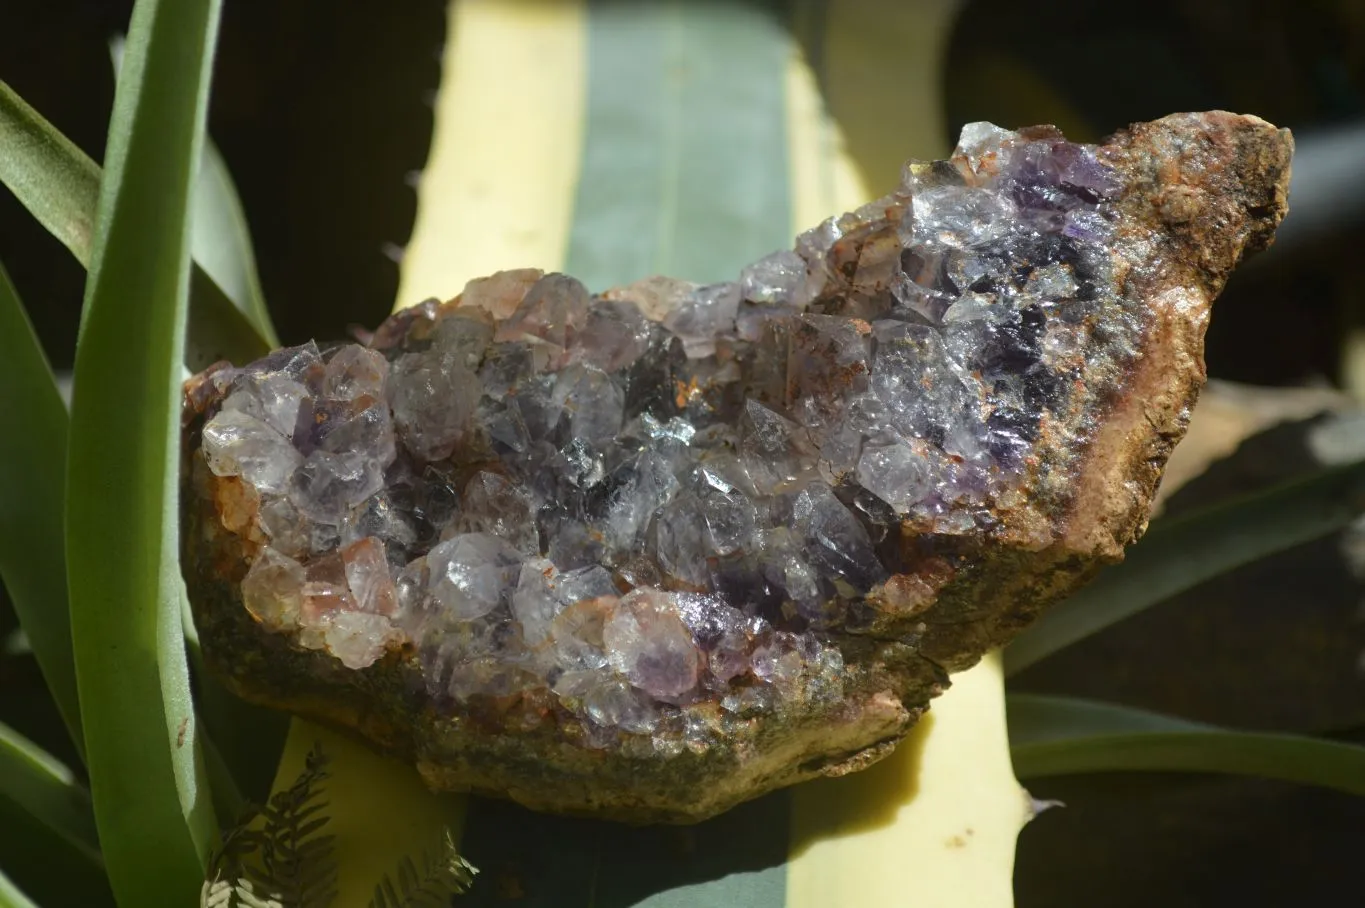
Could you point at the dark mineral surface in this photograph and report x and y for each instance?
(651, 552)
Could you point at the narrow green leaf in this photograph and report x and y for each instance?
(11, 897)
(33, 426)
(1053, 736)
(45, 170)
(217, 330)
(43, 788)
(222, 241)
(1180, 553)
(60, 186)
(151, 804)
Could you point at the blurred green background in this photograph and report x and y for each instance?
(322, 111)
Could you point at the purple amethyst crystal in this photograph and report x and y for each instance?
(633, 522)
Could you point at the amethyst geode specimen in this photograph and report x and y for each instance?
(656, 551)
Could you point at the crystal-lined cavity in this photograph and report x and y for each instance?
(621, 507)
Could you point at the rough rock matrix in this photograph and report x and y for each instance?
(652, 552)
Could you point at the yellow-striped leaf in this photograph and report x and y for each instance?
(621, 140)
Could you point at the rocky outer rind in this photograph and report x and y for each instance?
(1185, 198)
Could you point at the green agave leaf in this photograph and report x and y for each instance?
(60, 186)
(151, 803)
(704, 132)
(1053, 736)
(222, 241)
(683, 173)
(45, 789)
(33, 427)
(1180, 553)
(684, 162)
(687, 169)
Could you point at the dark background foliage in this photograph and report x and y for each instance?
(322, 111)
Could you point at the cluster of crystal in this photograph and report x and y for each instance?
(619, 509)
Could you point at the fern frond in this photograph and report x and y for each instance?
(443, 874)
(247, 897)
(216, 894)
(296, 862)
(222, 893)
(276, 856)
(238, 843)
